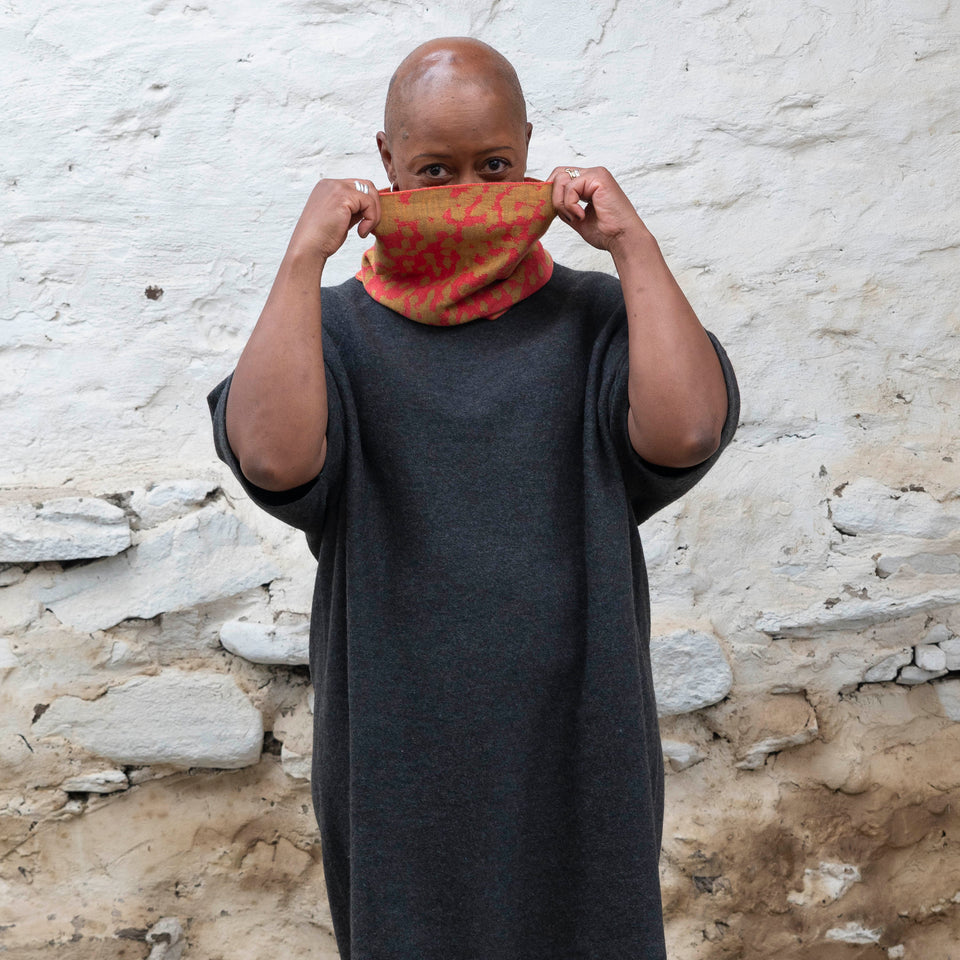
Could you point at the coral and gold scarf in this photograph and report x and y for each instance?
(447, 255)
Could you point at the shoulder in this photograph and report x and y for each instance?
(346, 313)
(342, 302)
(587, 290)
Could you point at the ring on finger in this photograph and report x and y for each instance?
(362, 187)
(573, 173)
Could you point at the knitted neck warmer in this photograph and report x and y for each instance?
(448, 255)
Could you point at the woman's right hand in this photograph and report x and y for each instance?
(332, 210)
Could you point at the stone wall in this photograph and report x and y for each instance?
(798, 164)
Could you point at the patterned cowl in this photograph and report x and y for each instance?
(447, 255)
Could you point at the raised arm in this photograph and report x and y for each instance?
(678, 399)
(277, 405)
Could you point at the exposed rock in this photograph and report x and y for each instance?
(951, 651)
(887, 668)
(854, 933)
(166, 936)
(828, 883)
(681, 755)
(690, 671)
(11, 575)
(938, 633)
(854, 614)
(172, 498)
(940, 564)
(199, 558)
(771, 725)
(19, 603)
(70, 528)
(912, 675)
(930, 657)
(8, 659)
(948, 691)
(101, 781)
(868, 507)
(294, 729)
(186, 719)
(267, 643)
(295, 765)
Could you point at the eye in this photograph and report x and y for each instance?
(434, 171)
(497, 165)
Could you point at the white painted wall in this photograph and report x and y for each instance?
(798, 164)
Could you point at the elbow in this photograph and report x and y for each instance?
(698, 447)
(686, 451)
(676, 449)
(276, 475)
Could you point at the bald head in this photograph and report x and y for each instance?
(446, 68)
(455, 114)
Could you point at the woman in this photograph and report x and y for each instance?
(469, 440)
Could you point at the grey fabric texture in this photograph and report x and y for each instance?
(487, 770)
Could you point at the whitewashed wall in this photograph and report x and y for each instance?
(799, 165)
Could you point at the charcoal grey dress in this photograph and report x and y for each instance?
(487, 770)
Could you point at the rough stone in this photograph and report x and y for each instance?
(948, 692)
(826, 884)
(169, 499)
(930, 657)
(166, 937)
(938, 633)
(868, 507)
(185, 719)
(775, 724)
(19, 604)
(69, 528)
(200, 558)
(295, 765)
(100, 781)
(854, 933)
(854, 614)
(887, 668)
(939, 564)
(8, 659)
(681, 755)
(267, 643)
(11, 575)
(690, 671)
(912, 675)
(951, 650)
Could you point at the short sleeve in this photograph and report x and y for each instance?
(303, 507)
(651, 487)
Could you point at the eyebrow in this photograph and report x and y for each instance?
(443, 156)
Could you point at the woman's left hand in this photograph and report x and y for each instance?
(608, 221)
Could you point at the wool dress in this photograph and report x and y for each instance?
(487, 773)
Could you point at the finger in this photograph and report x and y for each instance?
(556, 194)
(567, 210)
(365, 202)
(572, 195)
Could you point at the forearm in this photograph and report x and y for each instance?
(277, 405)
(677, 394)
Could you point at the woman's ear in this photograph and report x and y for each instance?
(529, 131)
(386, 157)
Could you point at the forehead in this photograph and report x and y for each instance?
(476, 123)
(441, 101)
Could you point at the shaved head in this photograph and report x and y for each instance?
(442, 68)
